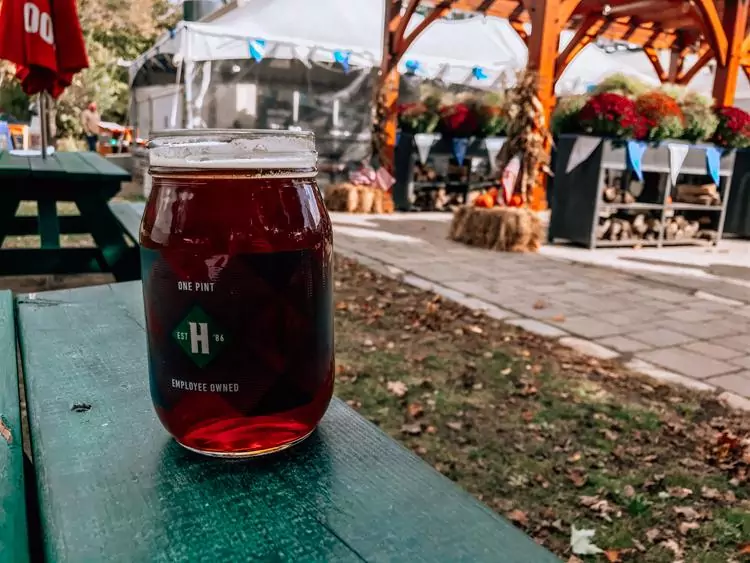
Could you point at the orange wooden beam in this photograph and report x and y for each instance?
(405, 17)
(727, 72)
(653, 56)
(567, 7)
(713, 28)
(587, 32)
(746, 69)
(676, 63)
(706, 54)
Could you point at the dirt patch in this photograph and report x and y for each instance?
(543, 435)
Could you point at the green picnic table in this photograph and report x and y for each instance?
(84, 178)
(106, 482)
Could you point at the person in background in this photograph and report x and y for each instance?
(90, 119)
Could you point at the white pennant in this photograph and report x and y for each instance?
(677, 155)
(493, 146)
(425, 142)
(582, 149)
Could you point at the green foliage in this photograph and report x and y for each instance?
(113, 30)
(13, 102)
(565, 118)
(622, 84)
(700, 119)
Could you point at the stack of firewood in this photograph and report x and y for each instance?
(616, 195)
(358, 199)
(707, 194)
(499, 228)
(638, 227)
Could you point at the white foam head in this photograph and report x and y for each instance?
(235, 149)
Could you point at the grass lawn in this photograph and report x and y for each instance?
(544, 435)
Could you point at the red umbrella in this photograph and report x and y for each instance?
(27, 39)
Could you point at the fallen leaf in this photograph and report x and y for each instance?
(687, 512)
(431, 429)
(672, 546)
(519, 517)
(574, 559)
(540, 304)
(578, 478)
(580, 542)
(639, 546)
(575, 457)
(710, 494)
(414, 429)
(613, 556)
(745, 549)
(415, 410)
(685, 527)
(455, 425)
(558, 319)
(610, 435)
(652, 534)
(679, 492)
(628, 491)
(368, 343)
(505, 371)
(475, 329)
(397, 388)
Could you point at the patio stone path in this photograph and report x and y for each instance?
(661, 329)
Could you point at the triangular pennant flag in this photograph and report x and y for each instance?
(510, 175)
(493, 146)
(479, 73)
(583, 148)
(460, 146)
(677, 155)
(424, 142)
(635, 157)
(342, 57)
(713, 163)
(257, 48)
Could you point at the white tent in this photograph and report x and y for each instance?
(315, 31)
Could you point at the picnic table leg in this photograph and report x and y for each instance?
(49, 224)
(9, 203)
(119, 258)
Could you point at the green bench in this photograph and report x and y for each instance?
(83, 178)
(111, 485)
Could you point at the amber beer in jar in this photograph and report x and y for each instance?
(236, 253)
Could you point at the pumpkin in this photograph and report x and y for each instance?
(485, 200)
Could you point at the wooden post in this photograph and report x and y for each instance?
(544, 42)
(676, 64)
(734, 21)
(385, 93)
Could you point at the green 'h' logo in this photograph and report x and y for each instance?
(200, 337)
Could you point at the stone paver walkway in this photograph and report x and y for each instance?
(663, 330)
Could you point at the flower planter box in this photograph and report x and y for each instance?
(579, 212)
(406, 159)
(738, 204)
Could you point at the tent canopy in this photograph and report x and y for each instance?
(315, 31)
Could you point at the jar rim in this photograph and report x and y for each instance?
(233, 149)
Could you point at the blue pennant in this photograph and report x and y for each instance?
(257, 48)
(635, 157)
(413, 66)
(713, 163)
(460, 146)
(342, 57)
(478, 73)
(398, 137)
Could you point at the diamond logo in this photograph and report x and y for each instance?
(200, 337)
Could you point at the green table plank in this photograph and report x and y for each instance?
(44, 261)
(104, 166)
(129, 215)
(14, 166)
(43, 168)
(75, 167)
(13, 537)
(113, 486)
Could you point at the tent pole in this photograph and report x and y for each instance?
(43, 121)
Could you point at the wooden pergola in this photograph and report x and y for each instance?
(709, 29)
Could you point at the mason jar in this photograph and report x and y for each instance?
(236, 257)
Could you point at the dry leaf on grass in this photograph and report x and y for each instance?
(454, 425)
(652, 534)
(414, 429)
(580, 542)
(685, 527)
(687, 512)
(519, 517)
(415, 410)
(397, 388)
(613, 556)
(679, 492)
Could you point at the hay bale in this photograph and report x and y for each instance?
(506, 229)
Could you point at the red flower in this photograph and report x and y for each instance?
(734, 127)
(459, 120)
(610, 115)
